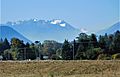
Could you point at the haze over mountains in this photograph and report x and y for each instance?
(41, 30)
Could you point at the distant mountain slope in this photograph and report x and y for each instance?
(8, 32)
(45, 30)
(110, 30)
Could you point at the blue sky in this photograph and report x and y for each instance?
(92, 15)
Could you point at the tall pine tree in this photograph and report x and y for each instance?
(66, 51)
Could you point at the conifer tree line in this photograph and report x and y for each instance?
(83, 47)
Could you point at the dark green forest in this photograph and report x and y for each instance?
(83, 47)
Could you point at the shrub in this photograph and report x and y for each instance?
(104, 57)
(116, 56)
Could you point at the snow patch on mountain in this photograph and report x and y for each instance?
(56, 21)
(35, 20)
(63, 25)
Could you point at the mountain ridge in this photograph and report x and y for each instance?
(9, 33)
(41, 30)
(113, 28)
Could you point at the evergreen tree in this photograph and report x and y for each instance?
(102, 42)
(6, 44)
(27, 45)
(80, 54)
(110, 43)
(93, 40)
(116, 42)
(75, 47)
(66, 51)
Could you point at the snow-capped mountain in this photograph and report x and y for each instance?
(110, 30)
(8, 32)
(42, 30)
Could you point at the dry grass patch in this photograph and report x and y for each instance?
(88, 68)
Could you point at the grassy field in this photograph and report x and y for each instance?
(91, 68)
